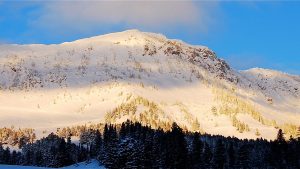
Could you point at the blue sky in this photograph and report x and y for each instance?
(245, 34)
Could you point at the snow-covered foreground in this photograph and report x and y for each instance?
(92, 165)
(46, 87)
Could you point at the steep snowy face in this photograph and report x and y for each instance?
(124, 56)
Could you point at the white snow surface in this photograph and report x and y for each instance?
(49, 86)
(93, 164)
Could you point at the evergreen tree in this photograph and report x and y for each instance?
(128, 154)
(110, 143)
(196, 154)
(27, 156)
(123, 130)
(147, 155)
(1, 154)
(159, 149)
(292, 154)
(207, 157)
(177, 148)
(243, 157)
(73, 150)
(62, 158)
(38, 158)
(219, 154)
(280, 137)
(96, 145)
(6, 156)
(231, 156)
(298, 152)
(280, 149)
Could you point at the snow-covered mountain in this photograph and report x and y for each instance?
(143, 77)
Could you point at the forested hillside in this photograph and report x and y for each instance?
(131, 145)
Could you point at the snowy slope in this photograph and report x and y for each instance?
(274, 83)
(92, 165)
(90, 80)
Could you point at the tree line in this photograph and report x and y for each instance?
(133, 145)
(16, 137)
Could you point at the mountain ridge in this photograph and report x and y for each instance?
(134, 31)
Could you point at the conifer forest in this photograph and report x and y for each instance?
(131, 145)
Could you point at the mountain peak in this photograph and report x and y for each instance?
(132, 30)
(131, 36)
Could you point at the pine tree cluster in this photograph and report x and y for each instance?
(135, 146)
